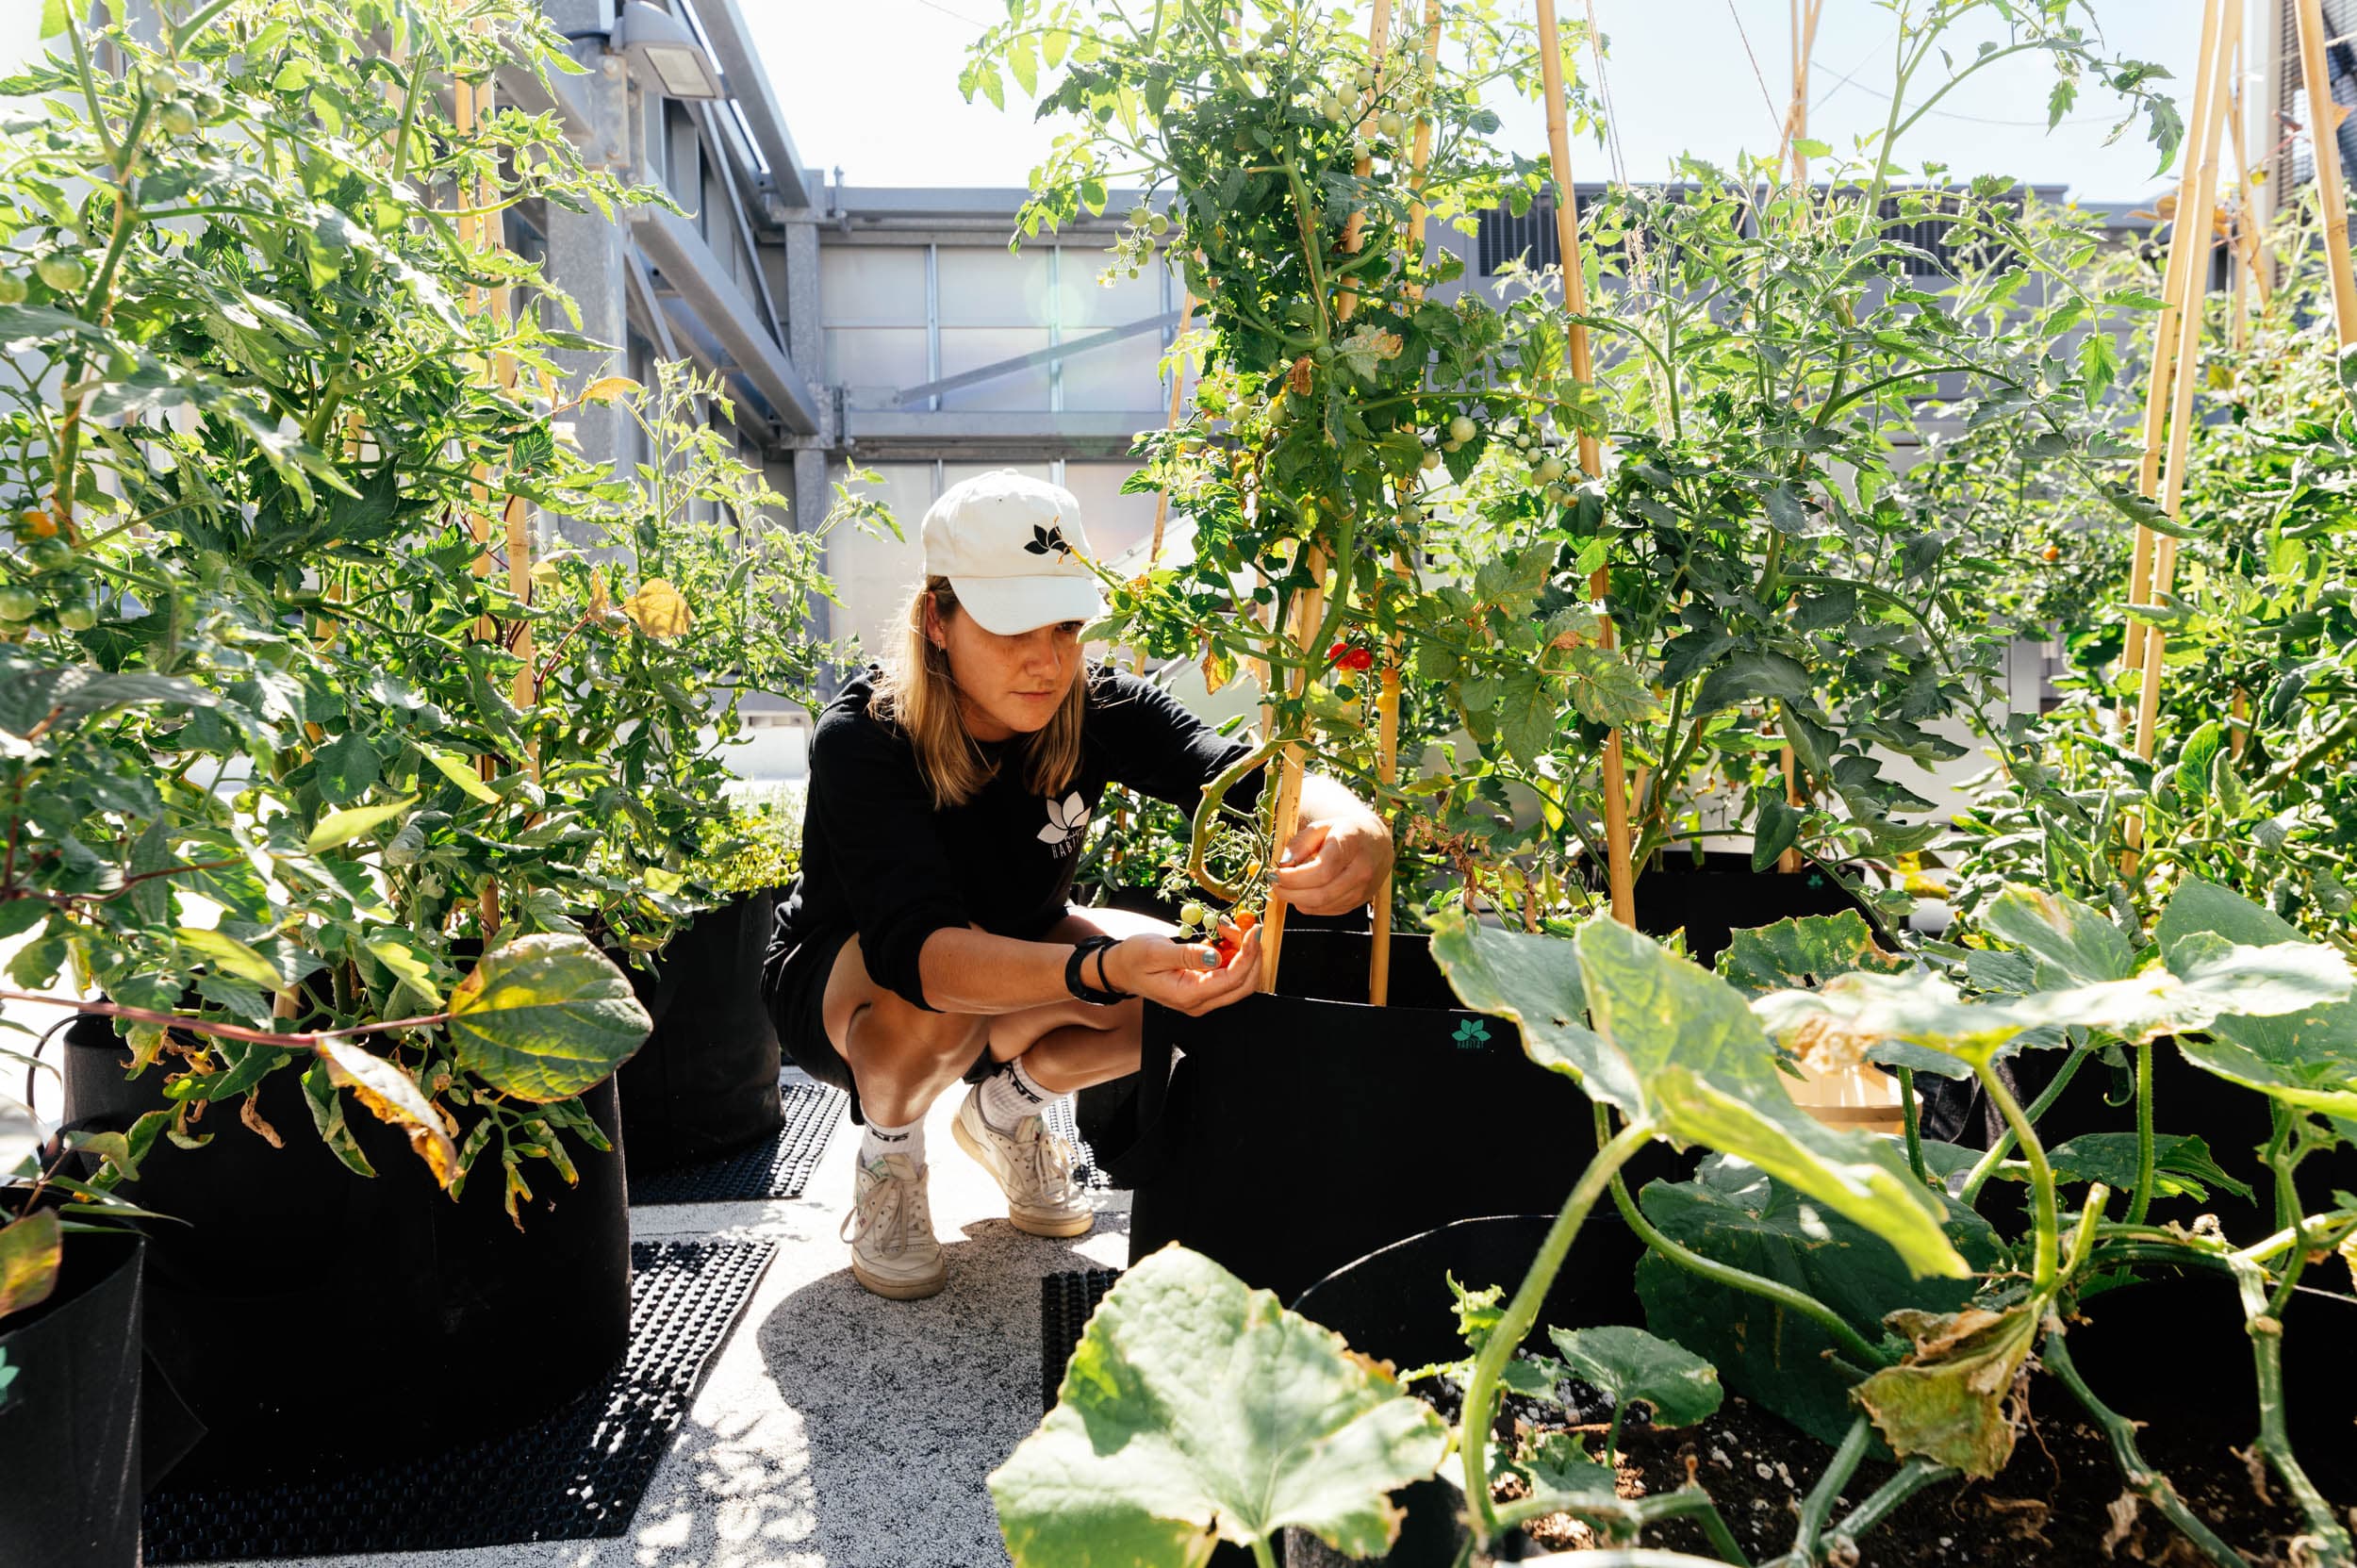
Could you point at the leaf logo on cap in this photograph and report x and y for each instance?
(1045, 541)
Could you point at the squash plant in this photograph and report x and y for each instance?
(1389, 476)
(301, 768)
(1183, 1371)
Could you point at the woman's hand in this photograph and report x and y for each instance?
(1187, 977)
(1334, 866)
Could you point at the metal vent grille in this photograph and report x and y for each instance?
(2291, 91)
(1502, 237)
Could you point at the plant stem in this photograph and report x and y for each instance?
(305, 1041)
(1818, 1503)
(1853, 1343)
(2145, 1481)
(1261, 1553)
(2042, 1216)
(1481, 1392)
(1632, 1515)
(2141, 1203)
(1911, 1477)
(1912, 1110)
(1987, 1164)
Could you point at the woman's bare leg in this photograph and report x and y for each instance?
(901, 1056)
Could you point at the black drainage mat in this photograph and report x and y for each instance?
(1066, 1301)
(574, 1476)
(1062, 1121)
(778, 1166)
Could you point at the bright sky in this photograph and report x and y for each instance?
(872, 86)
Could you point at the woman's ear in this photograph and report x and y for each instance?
(933, 632)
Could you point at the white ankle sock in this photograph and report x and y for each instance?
(881, 1140)
(1009, 1094)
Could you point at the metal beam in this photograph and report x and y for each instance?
(724, 27)
(696, 275)
(908, 395)
(996, 434)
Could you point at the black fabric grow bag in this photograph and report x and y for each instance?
(1725, 894)
(314, 1318)
(70, 1420)
(705, 1084)
(1395, 1305)
(1303, 1129)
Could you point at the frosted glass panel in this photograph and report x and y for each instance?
(953, 472)
(873, 576)
(872, 285)
(971, 348)
(875, 362)
(1117, 376)
(990, 286)
(1087, 304)
(1116, 523)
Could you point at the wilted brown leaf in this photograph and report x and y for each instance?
(394, 1097)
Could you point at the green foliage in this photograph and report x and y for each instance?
(287, 739)
(1667, 1044)
(1629, 1365)
(1736, 1214)
(1196, 1410)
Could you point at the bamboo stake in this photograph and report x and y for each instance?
(1310, 602)
(2324, 119)
(2194, 222)
(1308, 612)
(2177, 281)
(1804, 15)
(1616, 830)
(1387, 698)
(2239, 237)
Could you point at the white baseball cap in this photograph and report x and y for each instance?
(1013, 549)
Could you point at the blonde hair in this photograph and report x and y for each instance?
(918, 694)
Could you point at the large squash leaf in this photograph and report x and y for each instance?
(1844, 1018)
(1667, 1042)
(1807, 950)
(1194, 1409)
(2068, 942)
(1734, 1213)
(546, 1017)
(2304, 1056)
(1677, 1387)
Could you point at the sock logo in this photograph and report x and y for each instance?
(888, 1137)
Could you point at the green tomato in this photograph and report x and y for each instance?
(1452, 444)
(1391, 125)
(159, 82)
(1462, 429)
(78, 617)
(13, 288)
(18, 604)
(1550, 470)
(1157, 224)
(1431, 461)
(177, 119)
(1192, 914)
(63, 273)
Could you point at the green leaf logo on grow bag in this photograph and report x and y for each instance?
(1473, 1035)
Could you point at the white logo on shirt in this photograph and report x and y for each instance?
(1067, 820)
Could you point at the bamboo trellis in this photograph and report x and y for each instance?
(2324, 119)
(1805, 14)
(2177, 280)
(1616, 824)
(476, 233)
(1387, 700)
(1308, 603)
(2193, 237)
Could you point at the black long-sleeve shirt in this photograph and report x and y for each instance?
(877, 859)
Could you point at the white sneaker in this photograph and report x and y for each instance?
(1031, 1165)
(894, 1251)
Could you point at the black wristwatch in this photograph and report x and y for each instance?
(1081, 988)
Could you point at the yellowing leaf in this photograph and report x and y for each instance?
(599, 601)
(609, 388)
(1947, 1400)
(545, 1018)
(396, 1100)
(30, 1252)
(341, 827)
(402, 960)
(657, 609)
(229, 956)
(461, 773)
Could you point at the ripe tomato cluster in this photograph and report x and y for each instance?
(1343, 655)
